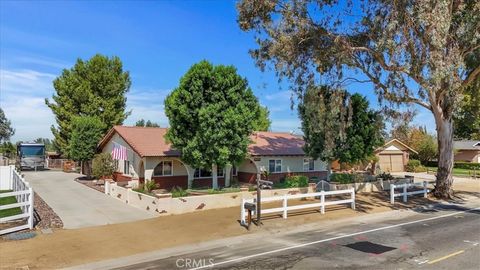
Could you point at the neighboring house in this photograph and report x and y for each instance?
(393, 156)
(150, 157)
(467, 151)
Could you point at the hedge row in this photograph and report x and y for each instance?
(458, 165)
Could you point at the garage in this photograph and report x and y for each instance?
(393, 156)
(391, 162)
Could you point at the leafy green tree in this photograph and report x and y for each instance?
(364, 133)
(96, 87)
(49, 144)
(103, 165)
(427, 149)
(338, 126)
(211, 114)
(142, 123)
(8, 149)
(86, 133)
(467, 115)
(263, 122)
(323, 112)
(413, 52)
(6, 130)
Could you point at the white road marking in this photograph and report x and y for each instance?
(330, 239)
(473, 243)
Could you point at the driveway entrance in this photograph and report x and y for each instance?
(77, 205)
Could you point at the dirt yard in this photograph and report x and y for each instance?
(78, 246)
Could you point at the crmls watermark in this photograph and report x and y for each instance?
(193, 263)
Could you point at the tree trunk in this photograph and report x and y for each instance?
(87, 168)
(443, 187)
(214, 177)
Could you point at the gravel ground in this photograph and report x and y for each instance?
(91, 184)
(44, 216)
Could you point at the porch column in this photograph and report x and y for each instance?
(228, 169)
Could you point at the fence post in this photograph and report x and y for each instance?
(285, 206)
(322, 201)
(242, 212)
(405, 192)
(425, 190)
(30, 209)
(107, 187)
(353, 198)
(392, 193)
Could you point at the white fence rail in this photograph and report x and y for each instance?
(285, 208)
(405, 193)
(10, 179)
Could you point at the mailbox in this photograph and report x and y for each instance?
(250, 206)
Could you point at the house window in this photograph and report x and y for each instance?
(308, 164)
(234, 171)
(126, 167)
(164, 168)
(275, 165)
(206, 173)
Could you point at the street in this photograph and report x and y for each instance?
(443, 237)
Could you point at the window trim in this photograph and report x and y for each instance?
(163, 169)
(206, 177)
(275, 160)
(308, 165)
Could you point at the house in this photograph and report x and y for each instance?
(393, 156)
(467, 151)
(151, 157)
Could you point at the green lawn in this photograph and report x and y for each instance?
(9, 200)
(458, 172)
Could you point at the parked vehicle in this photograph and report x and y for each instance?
(31, 155)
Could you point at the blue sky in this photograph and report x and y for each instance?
(157, 42)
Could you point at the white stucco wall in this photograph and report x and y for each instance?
(289, 163)
(134, 158)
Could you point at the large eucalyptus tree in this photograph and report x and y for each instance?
(411, 51)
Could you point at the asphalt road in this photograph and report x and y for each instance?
(444, 237)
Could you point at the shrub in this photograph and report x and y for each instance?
(467, 165)
(385, 176)
(412, 165)
(150, 185)
(296, 181)
(342, 178)
(458, 165)
(103, 165)
(178, 192)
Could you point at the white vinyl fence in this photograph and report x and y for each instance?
(10, 179)
(405, 193)
(285, 208)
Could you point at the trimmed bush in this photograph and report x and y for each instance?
(412, 165)
(296, 181)
(103, 165)
(178, 192)
(342, 178)
(458, 165)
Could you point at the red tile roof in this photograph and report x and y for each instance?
(276, 144)
(150, 141)
(146, 141)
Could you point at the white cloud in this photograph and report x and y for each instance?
(148, 105)
(22, 94)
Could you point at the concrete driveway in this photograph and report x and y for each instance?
(77, 205)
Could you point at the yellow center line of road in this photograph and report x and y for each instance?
(446, 257)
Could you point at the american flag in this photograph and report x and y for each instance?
(119, 152)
